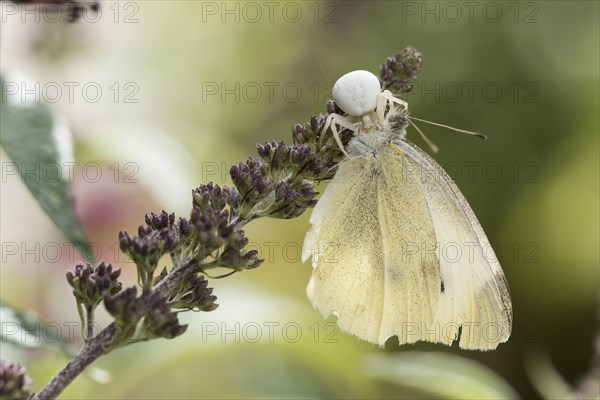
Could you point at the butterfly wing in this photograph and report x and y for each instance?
(475, 295)
(360, 274)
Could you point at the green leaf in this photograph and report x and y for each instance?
(26, 330)
(443, 375)
(32, 139)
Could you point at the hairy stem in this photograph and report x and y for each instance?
(89, 353)
(178, 274)
(105, 341)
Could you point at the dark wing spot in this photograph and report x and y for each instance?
(442, 287)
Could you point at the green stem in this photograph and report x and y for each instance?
(81, 319)
(89, 320)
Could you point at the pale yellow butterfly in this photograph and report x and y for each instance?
(396, 250)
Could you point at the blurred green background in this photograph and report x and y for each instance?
(189, 87)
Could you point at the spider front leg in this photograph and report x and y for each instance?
(383, 99)
(334, 120)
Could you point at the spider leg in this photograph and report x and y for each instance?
(335, 120)
(330, 118)
(336, 136)
(383, 99)
(391, 99)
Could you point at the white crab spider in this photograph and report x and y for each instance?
(359, 94)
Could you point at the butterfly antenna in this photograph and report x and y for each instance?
(479, 135)
(431, 145)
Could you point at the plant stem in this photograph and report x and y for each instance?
(89, 353)
(90, 322)
(105, 341)
(178, 274)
